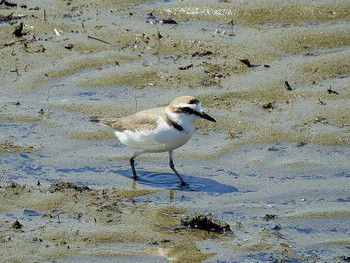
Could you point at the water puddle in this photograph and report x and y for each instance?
(171, 181)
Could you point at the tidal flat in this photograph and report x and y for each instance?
(275, 167)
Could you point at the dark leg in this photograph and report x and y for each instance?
(132, 161)
(171, 164)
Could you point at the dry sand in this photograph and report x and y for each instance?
(275, 74)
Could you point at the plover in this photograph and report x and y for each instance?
(159, 129)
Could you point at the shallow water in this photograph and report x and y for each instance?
(272, 151)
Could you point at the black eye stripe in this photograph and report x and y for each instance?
(187, 110)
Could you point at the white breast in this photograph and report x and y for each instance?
(162, 139)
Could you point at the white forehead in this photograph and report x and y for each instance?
(190, 105)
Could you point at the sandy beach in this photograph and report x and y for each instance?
(275, 166)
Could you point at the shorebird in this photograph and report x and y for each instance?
(157, 130)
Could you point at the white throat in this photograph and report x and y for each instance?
(186, 121)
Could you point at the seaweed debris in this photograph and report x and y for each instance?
(61, 186)
(205, 222)
(17, 224)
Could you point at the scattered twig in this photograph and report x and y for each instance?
(18, 30)
(202, 54)
(331, 91)
(246, 62)
(321, 102)
(159, 36)
(269, 105)
(15, 70)
(17, 224)
(186, 67)
(288, 87)
(231, 23)
(103, 41)
(56, 32)
(168, 21)
(301, 144)
(7, 3)
(269, 217)
(273, 149)
(68, 46)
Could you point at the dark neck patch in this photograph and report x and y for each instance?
(174, 124)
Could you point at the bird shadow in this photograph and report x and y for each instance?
(171, 181)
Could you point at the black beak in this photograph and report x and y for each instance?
(203, 115)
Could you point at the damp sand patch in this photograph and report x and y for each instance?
(191, 72)
(309, 39)
(10, 147)
(256, 12)
(328, 66)
(75, 221)
(96, 110)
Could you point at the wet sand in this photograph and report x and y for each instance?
(275, 167)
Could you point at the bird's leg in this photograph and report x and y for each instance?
(132, 161)
(171, 164)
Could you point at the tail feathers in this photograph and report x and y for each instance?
(104, 122)
(109, 122)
